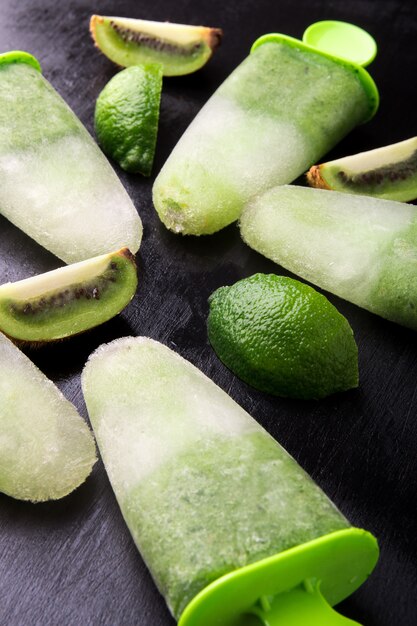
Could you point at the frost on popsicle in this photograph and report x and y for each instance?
(360, 248)
(55, 184)
(276, 114)
(46, 448)
(203, 488)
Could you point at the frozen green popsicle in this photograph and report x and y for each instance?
(362, 249)
(278, 113)
(46, 448)
(224, 518)
(55, 183)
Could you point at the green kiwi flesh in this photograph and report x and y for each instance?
(69, 300)
(179, 48)
(389, 172)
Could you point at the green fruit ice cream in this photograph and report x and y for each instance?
(204, 489)
(279, 112)
(55, 183)
(360, 248)
(47, 450)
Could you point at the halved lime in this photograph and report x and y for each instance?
(127, 115)
(283, 337)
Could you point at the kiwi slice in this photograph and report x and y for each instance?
(69, 300)
(47, 449)
(179, 48)
(389, 172)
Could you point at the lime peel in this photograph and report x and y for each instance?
(127, 115)
(283, 337)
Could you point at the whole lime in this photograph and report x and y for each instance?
(127, 114)
(283, 337)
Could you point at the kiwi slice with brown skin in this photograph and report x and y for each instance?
(389, 172)
(69, 300)
(179, 48)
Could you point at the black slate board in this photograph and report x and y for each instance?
(73, 561)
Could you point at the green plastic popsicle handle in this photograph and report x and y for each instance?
(343, 40)
(18, 56)
(337, 42)
(296, 587)
(304, 606)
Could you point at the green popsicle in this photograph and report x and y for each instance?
(360, 248)
(278, 113)
(46, 448)
(55, 183)
(212, 501)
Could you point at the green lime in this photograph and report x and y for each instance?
(283, 337)
(127, 114)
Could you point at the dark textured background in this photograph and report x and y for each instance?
(73, 562)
